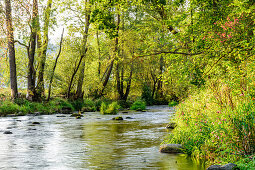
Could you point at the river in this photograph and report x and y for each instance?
(93, 142)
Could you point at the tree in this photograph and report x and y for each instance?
(11, 49)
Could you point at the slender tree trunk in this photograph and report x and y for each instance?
(74, 73)
(115, 53)
(99, 56)
(55, 65)
(128, 84)
(40, 81)
(11, 49)
(79, 91)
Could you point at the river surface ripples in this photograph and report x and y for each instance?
(93, 142)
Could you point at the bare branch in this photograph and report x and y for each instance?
(17, 41)
(168, 52)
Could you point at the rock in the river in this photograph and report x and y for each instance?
(61, 116)
(229, 166)
(124, 111)
(36, 123)
(171, 125)
(78, 117)
(7, 132)
(76, 114)
(171, 148)
(117, 118)
(129, 117)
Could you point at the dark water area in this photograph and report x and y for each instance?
(93, 142)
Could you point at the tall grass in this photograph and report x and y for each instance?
(217, 125)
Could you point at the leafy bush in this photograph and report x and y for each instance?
(216, 126)
(7, 107)
(89, 106)
(138, 105)
(62, 103)
(147, 94)
(173, 103)
(77, 104)
(109, 109)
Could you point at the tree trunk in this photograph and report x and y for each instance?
(79, 91)
(55, 65)
(115, 53)
(11, 49)
(40, 81)
(99, 56)
(31, 53)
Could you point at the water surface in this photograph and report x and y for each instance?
(93, 142)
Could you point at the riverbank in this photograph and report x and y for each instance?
(21, 107)
(217, 125)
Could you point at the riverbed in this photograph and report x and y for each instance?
(93, 142)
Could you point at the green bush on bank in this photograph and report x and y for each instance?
(109, 109)
(138, 105)
(173, 103)
(215, 125)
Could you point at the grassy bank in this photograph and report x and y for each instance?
(217, 124)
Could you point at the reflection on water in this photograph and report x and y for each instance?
(94, 142)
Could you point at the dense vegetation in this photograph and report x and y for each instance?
(197, 53)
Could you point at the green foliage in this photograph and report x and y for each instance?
(173, 103)
(216, 126)
(138, 105)
(147, 95)
(124, 104)
(89, 106)
(109, 109)
(246, 163)
(77, 104)
(7, 107)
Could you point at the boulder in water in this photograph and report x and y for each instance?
(117, 118)
(171, 125)
(171, 148)
(229, 166)
(36, 123)
(7, 132)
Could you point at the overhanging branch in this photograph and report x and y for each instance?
(169, 52)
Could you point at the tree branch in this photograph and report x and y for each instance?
(17, 41)
(168, 52)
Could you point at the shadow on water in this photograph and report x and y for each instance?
(94, 142)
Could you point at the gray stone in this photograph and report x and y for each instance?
(171, 148)
(7, 132)
(36, 123)
(117, 118)
(171, 125)
(61, 116)
(129, 117)
(229, 166)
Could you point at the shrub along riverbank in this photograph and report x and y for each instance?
(217, 124)
(22, 107)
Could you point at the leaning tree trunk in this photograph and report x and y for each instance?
(43, 50)
(11, 48)
(112, 62)
(55, 65)
(79, 91)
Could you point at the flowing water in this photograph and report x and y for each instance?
(93, 142)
